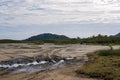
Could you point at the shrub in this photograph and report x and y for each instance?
(105, 64)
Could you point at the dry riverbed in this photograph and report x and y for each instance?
(77, 51)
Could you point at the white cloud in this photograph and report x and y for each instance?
(24, 12)
(30, 1)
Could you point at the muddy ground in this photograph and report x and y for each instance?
(11, 51)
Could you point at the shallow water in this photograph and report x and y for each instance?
(30, 65)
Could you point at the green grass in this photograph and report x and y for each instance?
(103, 64)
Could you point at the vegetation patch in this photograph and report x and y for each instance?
(96, 40)
(11, 41)
(103, 64)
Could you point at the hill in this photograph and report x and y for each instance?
(117, 35)
(46, 36)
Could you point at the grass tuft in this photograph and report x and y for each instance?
(103, 64)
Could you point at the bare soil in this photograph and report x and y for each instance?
(9, 51)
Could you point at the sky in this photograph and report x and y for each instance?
(20, 19)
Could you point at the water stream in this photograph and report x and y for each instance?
(39, 63)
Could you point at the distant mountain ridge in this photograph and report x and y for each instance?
(117, 35)
(46, 36)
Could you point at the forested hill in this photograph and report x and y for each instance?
(46, 36)
(117, 35)
(61, 39)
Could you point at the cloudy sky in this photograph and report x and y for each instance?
(20, 19)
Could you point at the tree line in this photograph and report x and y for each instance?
(99, 39)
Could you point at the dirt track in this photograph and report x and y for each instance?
(8, 51)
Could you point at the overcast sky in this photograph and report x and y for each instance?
(20, 19)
